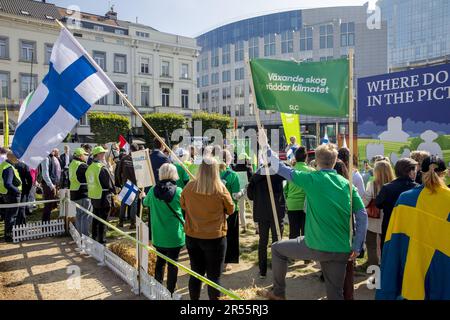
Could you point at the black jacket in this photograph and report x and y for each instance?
(244, 167)
(258, 192)
(157, 158)
(125, 171)
(388, 197)
(62, 160)
(25, 176)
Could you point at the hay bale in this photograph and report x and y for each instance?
(250, 293)
(127, 251)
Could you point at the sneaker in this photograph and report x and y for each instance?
(120, 225)
(270, 295)
(307, 261)
(262, 276)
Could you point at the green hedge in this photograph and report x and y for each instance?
(163, 123)
(108, 126)
(212, 121)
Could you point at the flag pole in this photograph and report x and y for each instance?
(264, 154)
(136, 112)
(350, 127)
(6, 126)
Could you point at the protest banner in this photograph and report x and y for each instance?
(143, 169)
(405, 111)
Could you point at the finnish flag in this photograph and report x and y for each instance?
(73, 84)
(128, 193)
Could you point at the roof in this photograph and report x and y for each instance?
(31, 9)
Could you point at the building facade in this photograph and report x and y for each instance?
(303, 35)
(418, 31)
(156, 70)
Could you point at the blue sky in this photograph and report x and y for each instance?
(193, 17)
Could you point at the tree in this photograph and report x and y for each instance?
(108, 126)
(164, 124)
(212, 121)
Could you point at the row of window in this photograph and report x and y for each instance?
(28, 83)
(239, 74)
(239, 110)
(326, 40)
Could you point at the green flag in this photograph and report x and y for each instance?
(291, 126)
(315, 88)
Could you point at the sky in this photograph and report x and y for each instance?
(194, 17)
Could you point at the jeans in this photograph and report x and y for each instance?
(333, 266)
(83, 220)
(372, 248)
(132, 210)
(23, 211)
(172, 271)
(264, 228)
(296, 223)
(10, 214)
(98, 228)
(206, 256)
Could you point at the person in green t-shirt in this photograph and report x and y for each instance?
(328, 236)
(167, 222)
(183, 176)
(295, 197)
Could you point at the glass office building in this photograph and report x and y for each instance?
(418, 31)
(304, 35)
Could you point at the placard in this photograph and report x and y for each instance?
(143, 169)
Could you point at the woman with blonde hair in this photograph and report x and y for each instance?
(383, 173)
(206, 202)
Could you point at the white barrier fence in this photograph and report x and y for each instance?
(37, 230)
(148, 285)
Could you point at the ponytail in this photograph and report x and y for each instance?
(433, 180)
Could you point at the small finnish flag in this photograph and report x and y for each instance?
(128, 193)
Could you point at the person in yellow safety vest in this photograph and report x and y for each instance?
(100, 188)
(79, 190)
(10, 190)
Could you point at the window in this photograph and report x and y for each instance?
(326, 58)
(226, 110)
(239, 51)
(84, 120)
(239, 91)
(4, 48)
(103, 101)
(239, 74)
(215, 57)
(27, 84)
(100, 59)
(326, 36)
(120, 63)
(269, 45)
(142, 34)
(165, 97)
(122, 88)
(239, 110)
(226, 54)
(145, 65)
(145, 96)
(306, 39)
(251, 109)
(215, 100)
(253, 48)
(185, 99)
(119, 31)
(226, 76)
(214, 78)
(4, 85)
(205, 99)
(226, 93)
(184, 71)
(98, 28)
(348, 34)
(165, 69)
(287, 42)
(47, 53)
(27, 51)
(205, 63)
(205, 80)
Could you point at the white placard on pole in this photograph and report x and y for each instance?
(143, 169)
(143, 236)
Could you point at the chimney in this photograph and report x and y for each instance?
(111, 14)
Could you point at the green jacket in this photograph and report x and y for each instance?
(231, 181)
(294, 195)
(167, 230)
(182, 175)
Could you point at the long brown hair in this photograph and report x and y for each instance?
(382, 173)
(207, 180)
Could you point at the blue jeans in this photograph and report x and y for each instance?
(83, 220)
(132, 210)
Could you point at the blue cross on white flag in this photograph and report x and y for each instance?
(128, 193)
(73, 84)
(325, 139)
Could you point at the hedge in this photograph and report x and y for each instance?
(108, 126)
(212, 121)
(164, 124)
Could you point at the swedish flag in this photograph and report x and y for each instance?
(416, 254)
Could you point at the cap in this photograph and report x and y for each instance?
(79, 152)
(98, 150)
(428, 161)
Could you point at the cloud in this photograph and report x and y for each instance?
(416, 128)
(369, 128)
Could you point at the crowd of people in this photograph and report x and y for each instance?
(329, 222)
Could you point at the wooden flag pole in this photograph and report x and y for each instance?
(136, 112)
(264, 154)
(350, 127)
